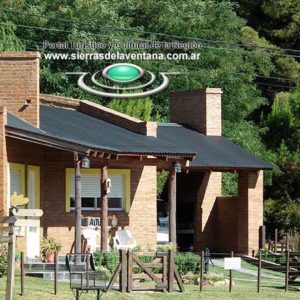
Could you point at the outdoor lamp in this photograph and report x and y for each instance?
(177, 167)
(85, 163)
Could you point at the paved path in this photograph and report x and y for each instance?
(220, 263)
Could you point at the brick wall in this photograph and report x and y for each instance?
(200, 109)
(19, 82)
(250, 210)
(205, 225)
(58, 223)
(226, 224)
(142, 215)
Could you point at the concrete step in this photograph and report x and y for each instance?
(39, 266)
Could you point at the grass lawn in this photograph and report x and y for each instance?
(39, 289)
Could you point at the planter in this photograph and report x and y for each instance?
(49, 256)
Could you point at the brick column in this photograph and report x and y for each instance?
(19, 84)
(205, 226)
(250, 210)
(3, 163)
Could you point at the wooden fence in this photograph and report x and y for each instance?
(161, 271)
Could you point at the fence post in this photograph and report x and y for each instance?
(287, 270)
(275, 240)
(287, 242)
(259, 271)
(123, 275)
(171, 271)
(129, 271)
(22, 273)
(230, 276)
(262, 237)
(201, 270)
(11, 261)
(55, 273)
(165, 272)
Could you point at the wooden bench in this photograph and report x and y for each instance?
(83, 275)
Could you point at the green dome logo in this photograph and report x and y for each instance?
(123, 73)
(119, 76)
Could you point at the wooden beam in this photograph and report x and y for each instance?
(104, 209)
(77, 204)
(172, 205)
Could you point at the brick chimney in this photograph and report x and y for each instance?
(19, 84)
(199, 109)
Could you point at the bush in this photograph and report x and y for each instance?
(187, 262)
(108, 260)
(3, 260)
(105, 274)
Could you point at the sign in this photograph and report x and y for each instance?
(8, 220)
(18, 200)
(28, 223)
(5, 239)
(122, 75)
(232, 263)
(28, 213)
(91, 222)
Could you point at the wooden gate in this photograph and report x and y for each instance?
(156, 267)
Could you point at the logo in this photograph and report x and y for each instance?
(119, 76)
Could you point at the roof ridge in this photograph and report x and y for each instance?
(101, 112)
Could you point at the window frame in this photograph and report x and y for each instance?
(126, 173)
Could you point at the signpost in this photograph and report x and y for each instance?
(10, 239)
(231, 263)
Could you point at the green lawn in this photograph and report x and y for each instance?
(39, 289)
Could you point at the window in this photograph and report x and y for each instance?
(118, 198)
(17, 179)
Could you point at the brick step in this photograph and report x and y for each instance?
(49, 275)
(44, 267)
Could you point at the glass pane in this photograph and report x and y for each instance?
(87, 202)
(72, 202)
(98, 203)
(115, 203)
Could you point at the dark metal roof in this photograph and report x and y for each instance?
(15, 122)
(86, 130)
(212, 151)
(172, 139)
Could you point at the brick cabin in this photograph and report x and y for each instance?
(40, 134)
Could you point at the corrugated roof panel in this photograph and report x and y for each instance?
(212, 151)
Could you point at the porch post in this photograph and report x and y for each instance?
(104, 209)
(172, 205)
(77, 204)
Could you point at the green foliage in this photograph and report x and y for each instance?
(140, 108)
(8, 39)
(284, 216)
(162, 178)
(267, 255)
(187, 262)
(105, 273)
(108, 260)
(3, 260)
(50, 245)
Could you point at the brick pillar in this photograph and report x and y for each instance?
(205, 225)
(143, 212)
(200, 109)
(19, 84)
(3, 163)
(250, 210)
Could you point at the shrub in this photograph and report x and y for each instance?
(3, 260)
(105, 274)
(187, 262)
(108, 260)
